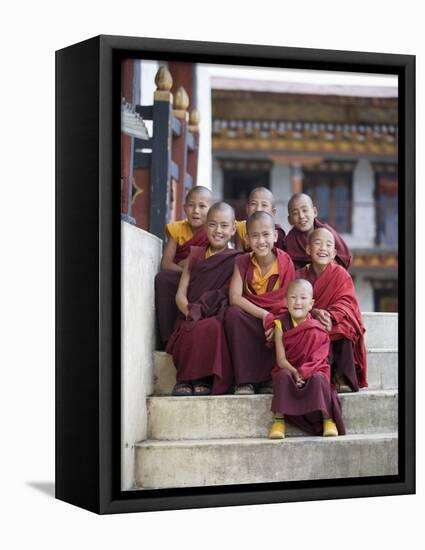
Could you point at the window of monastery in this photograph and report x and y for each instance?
(331, 186)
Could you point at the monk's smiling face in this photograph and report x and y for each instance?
(262, 236)
(321, 247)
(196, 208)
(261, 200)
(220, 226)
(299, 299)
(301, 212)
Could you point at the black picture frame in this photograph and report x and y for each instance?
(88, 274)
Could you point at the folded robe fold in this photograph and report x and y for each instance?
(333, 290)
(306, 349)
(167, 282)
(198, 345)
(252, 359)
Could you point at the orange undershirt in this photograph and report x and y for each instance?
(180, 231)
(259, 281)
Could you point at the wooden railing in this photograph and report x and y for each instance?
(163, 166)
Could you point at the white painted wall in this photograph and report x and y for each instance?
(203, 97)
(140, 257)
(364, 293)
(363, 215)
(281, 188)
(217, 180)
(148, 86)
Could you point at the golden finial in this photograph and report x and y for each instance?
(181, 103)
(195, 117)
(163, 79)
(164, 83)
(194, 120)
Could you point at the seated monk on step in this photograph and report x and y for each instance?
(302, 392)
(181, 236)
(257, 289)
(198, 344)
(336, 307)
(260, 199)
(302, 215)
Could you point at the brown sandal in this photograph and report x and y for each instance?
(201, 388)
(182, 388)
(244, 389)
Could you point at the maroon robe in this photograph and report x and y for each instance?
(280, 243)
(252, 359)
(296, 242)
(333, 290)
(198, 345)
(166, 284)
(306, 348)
(200, 238)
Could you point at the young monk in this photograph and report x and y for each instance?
(260, 199)
(302, 392)
(181, 235)
(302, 215)
(257, 289)
(198, 344)
(337, 309)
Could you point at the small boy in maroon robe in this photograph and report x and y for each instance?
(302, 392)
(260, 199)
(257, 289)
(302, 215)
(181, 236)
(337, 309)
(198, 344)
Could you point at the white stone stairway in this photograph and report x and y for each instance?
(222, 440)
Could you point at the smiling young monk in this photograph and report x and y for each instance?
(302, 215)
(198, 345)
(337, 309)
(302, 392)
(260, 199)
(181, 236)
(257, 289)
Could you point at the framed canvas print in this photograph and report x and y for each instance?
(235, 274)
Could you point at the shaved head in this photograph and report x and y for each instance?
(199, 190)
(321, 232)
(264, 191)
(222, 207)
(297, 197)
(300, 283)
(260, 215)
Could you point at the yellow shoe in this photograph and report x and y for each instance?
(277, 431)
(329, 428)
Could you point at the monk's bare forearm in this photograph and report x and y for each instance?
(247, 306)
(167, 260)
(281, 360)
(170, 266)
(181, 296)
(182, 304)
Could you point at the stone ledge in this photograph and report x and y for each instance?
(229, 461)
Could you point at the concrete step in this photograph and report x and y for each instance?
(231, 416)
(381, 330)
(382, 370)
(161, 464)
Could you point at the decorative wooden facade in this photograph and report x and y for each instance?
(248, 121)
(319, 138)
